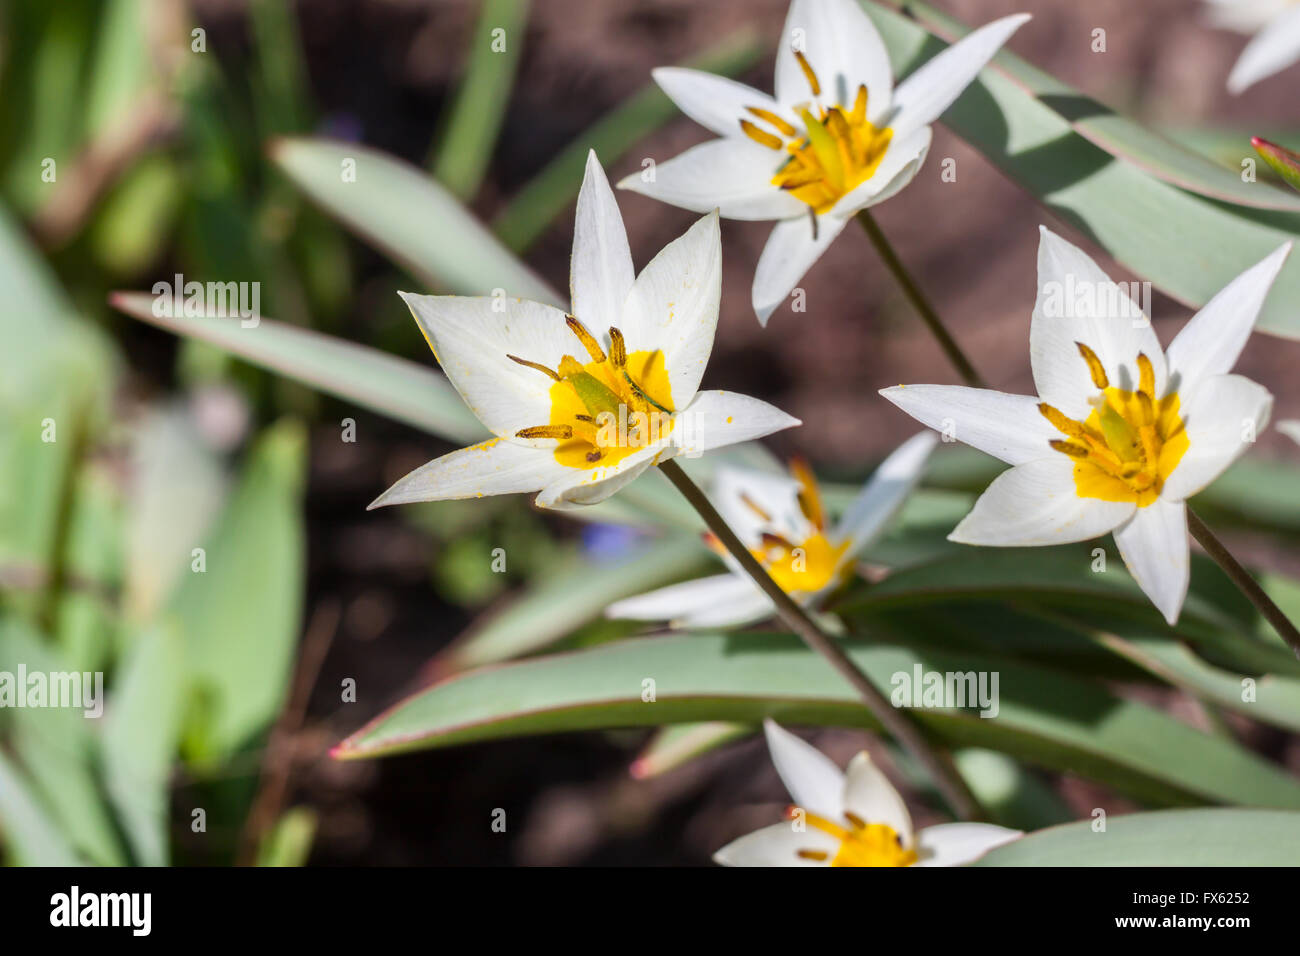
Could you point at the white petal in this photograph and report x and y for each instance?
(1077, 302)
(578, 487)
(1036, 504)
(885, 492)
(1272, 50)
(952, 844)
(790, 252)
(736, 491)
(471, 339)
(1005, 426)
(673, 306)
(718, 418)
(678, 600)
(922, 97)
(1291, 429)
(1211, 341)
(815, 784)
(733, 176)
(1222, 417)
(493, 467)
(869, 794)
(1153, 545)
(600, 274)
(714, 102)
(745, 607)
(777, 845)
(844, 50)
(902, 161)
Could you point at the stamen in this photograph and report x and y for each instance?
(857, 821)
(771, 540)
(641, 393)
(769, 117)
(594, 456)
(760, 136)
(819, 855)
(859, 114)
(588, 340)
(585, 418)
(537, 365)
(810, 500)
(1094, 366)
(561, 432)
(1060, 422)
(754, 506)
(1146, 377)
(808, 73)
(1069, 448)
(617, 348)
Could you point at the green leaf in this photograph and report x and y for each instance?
(141, 728)
(1045, 717)
(392, 386)
(289, 842)
(409, 217)
(678, 744)
(569, 597)
(240, 616)
(553, 189)
(1188, 245)
(1151, 151)
(1200, 837)
(1010, 794)
(1281, 160)
(462, 153)
(55, 748)
(30, 835)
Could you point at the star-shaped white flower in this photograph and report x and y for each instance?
(835, 139)
(1121, 432)
(1274, 29)
(783, 522)
(850, 818)
(582, 404)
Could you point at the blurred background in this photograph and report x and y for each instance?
(163, 162)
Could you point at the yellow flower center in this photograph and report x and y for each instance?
(861, 843)
(840, 150)
(606, 409)
(798, 566)
(1130, 443)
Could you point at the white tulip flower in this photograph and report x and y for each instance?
(1274, 29)
(1121, 432)
(835, 139)
(784, 524)
(850, 818)
(582, 404)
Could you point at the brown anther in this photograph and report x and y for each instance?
(1095, 367)
(761, 136)
(808, 73)
(1146, 377)
(768, 116)
(537, 365)
(617, 348)
(810, 499)
(561, 432)
(1069, 448)
(854, 820)
(586, 338)
(1060, 421)
(859, 114)
(819, 856)
(754, 506)
(593, 456)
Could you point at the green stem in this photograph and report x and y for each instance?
(895, 721)
(919, 302)
(1245, 583)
